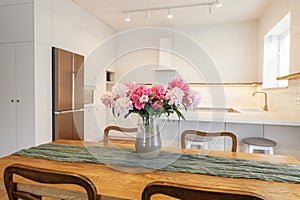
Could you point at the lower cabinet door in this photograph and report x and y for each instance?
(78, 125)
(69, 126)
(63, 125)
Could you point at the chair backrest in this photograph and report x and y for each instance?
(186, 192)
(116, 128)
(207, 134)
(43, 176)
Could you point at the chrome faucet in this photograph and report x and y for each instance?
(266, 99)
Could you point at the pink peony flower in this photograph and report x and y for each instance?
(134, 98)
(107, 99)
(143, 99)
(140, 96)
(158, 91)
(192, 99)
(180, 84)
(131, 87)
(156, 104)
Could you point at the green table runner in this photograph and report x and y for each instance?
(175, 162)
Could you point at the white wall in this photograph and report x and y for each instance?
(275, 11)
(232, 47)
(65, 25)
(283, 99)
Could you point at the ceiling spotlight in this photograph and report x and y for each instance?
(147, 14)
(218, 4)
(209, 5)
(127, 19)
(170, 15)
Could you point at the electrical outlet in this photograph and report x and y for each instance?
(297, 100)
(235, 97)
(170, 121)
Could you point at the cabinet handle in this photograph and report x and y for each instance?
(12, 100)
(18, 100)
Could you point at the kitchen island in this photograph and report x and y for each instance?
(282, 127)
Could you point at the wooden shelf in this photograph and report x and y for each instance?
(290, 76)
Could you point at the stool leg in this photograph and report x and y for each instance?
(271, 151)
(188, 144)
(251, 148)
(205, 145)
(246, 148)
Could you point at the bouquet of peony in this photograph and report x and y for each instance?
(151, 101)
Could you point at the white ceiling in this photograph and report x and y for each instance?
(111, 12)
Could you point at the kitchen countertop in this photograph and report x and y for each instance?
(244, 115)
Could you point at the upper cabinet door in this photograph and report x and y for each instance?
(78, 81)
(17, 24)
(62, 79)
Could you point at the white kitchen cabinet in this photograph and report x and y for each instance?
(16, 22)
(8, 141)
(91, 127)
(17, 97)
(169, 132)
(286, 137)
(243, 131)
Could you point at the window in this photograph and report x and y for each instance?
(277, 54)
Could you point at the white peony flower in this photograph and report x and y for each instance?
(120, 90)
(122, 106)
(175, 96)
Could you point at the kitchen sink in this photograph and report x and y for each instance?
(212, 109)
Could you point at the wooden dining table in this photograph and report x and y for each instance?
(113, 182)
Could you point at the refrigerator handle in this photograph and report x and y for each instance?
(68, 111)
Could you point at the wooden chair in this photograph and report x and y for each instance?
(116, 128)
(186, 192)
(206, 134)
(45, 176)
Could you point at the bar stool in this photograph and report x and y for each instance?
(259, 144)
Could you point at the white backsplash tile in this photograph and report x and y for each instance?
(283, 99)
